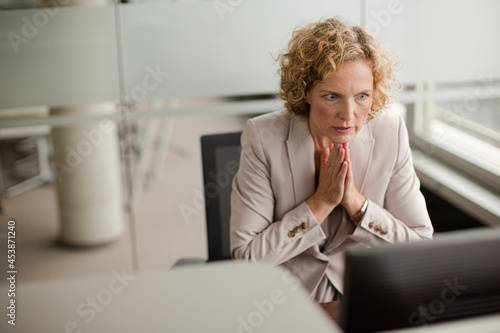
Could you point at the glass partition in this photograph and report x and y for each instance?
(61, 134)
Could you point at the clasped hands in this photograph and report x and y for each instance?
(335, 184)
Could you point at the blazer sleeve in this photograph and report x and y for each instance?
(254, 233)
(403, 216)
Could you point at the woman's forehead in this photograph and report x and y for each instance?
(353, 73)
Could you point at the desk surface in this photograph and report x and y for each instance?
(222, 297)
(219, 297)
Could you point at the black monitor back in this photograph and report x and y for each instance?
(457, 275)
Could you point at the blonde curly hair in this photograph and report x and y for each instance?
(318, 49)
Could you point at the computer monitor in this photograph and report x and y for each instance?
(456, 275)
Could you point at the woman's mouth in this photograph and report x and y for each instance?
(342, 130)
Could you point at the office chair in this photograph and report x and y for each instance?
(28, 138)
(221, 159)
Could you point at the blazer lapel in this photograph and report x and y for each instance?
(300, 148)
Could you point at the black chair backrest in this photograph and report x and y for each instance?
(221, 160)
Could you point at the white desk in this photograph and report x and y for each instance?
(220, 297)
(482, 324)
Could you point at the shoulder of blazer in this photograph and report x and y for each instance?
(386, 128)
(391, 138)
(272, 126)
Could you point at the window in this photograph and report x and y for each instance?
(451, 87)
(460, 123)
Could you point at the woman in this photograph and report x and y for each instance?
(327, 173)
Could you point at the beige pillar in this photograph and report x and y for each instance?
(88, 177)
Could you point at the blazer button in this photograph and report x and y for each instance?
(370, 225)
(383, 231)
(304, 225)
(376, 227)
(297, 229)
(291, 234)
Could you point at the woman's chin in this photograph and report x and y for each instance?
(339, 139)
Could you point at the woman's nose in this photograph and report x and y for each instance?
(347, 112)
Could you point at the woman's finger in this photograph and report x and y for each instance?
(340, 158)
(348, 152)
(349, 179)
(344, 171)
(325, 155)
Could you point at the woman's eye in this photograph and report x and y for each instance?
(331, 96)
(363, 96)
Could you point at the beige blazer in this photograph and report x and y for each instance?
(276, 176)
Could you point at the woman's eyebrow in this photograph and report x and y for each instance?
(323, 91)
(330, 92)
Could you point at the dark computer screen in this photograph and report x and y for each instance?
(456, 275)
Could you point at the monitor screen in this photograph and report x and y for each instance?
(456, 275)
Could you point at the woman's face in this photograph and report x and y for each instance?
(340, 103)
